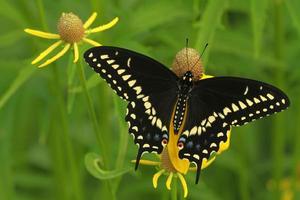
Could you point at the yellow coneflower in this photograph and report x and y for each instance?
(71, 31)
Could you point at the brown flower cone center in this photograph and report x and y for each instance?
(166, 162)
(188, 59)
(70, 28)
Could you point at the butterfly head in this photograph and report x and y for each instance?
(188, 60)
(185, 83)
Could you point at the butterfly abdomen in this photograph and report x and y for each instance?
(185, 85)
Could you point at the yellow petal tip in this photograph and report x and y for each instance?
(156, 176)
(169, 181)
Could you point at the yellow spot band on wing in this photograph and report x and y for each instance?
(225, 145)
(156, 176)
(103, 27)
(46, 52)
(92, 42)
(169, 181)
(76, 52)
(90, 20)
(184, 185)
(42, 34)
(57, 56)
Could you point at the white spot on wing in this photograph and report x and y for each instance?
(105, 56)
(121, 71)
(234, 107)
(270, 96)
(126, 77)
(194, 130)
(115, 66)
(110, 61)
(128, 62)
(246, 90)
(131, 83)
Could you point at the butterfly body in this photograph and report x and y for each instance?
(182, 114)
(185, 85)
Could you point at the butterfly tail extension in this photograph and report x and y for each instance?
(138, 158)
(199, 164)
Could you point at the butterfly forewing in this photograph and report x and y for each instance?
(131, 75)
(148, 86)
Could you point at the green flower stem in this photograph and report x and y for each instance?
(279, 136)
(92, 113)
(123, 138)
(174, 189)
(72, 167)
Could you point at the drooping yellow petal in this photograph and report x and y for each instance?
(156, 176)
(57, 56)
(205, 76)
(46, 52)
(42, 34)
(90, 20)
(184, 185)
(92, 42)
(76, 52)
(147, 162)
(169, 181)
(103, 27)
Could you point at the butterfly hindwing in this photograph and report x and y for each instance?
(237, 100)
(217, 103)
(147, 134)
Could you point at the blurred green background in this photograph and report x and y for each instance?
(46, 128)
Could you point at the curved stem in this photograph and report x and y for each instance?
(92, 113)
(71, 167)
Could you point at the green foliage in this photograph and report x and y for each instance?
(51, 118)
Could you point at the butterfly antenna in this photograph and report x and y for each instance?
(138, 158)
(198, 171)
(200, 55)
(203, 50)
(186, 52)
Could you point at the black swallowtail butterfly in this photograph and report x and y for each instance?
(199, 112)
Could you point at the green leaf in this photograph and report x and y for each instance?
(293, 8)
(156, 13)
(210, 21)
(10, 38)
(22, 77)
(92, 161)
(258, 12)
(93, 81)
(8, 11)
